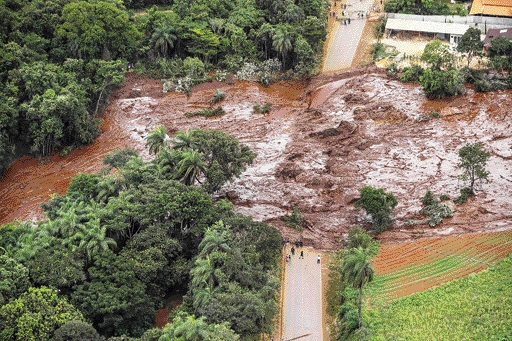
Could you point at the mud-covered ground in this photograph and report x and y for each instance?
(361, 128)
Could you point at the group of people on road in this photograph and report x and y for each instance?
(298, 243)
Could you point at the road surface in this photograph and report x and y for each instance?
(302, 310)
(343, 44)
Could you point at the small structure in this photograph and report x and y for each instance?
(448, 31)
(498, 8)
(494, 33)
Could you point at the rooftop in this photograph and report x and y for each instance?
(501, 8)
(426, 26)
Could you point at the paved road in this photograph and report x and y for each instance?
(303, 297)
(346, 37)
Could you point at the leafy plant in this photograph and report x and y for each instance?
(265, 109)
(379, 205)
(217, 96)
(295, 219)
(465, 193)
(206, 112)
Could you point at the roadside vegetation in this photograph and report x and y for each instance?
(424, 7)
(478, 307)
(351, 271)
(440, 72)
(112, 248)
(59, 61)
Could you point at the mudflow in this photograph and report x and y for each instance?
(320, 144)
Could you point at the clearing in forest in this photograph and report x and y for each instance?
(406, 268)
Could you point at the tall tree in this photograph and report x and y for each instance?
(163, 39)
(472, 160)
(357, 271)
(190, 167)
(470, 43)
(282, 42)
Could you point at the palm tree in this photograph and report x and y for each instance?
(203, 274)
(190, 167)
(192, 329)
(282, 43)
(215, 239)
(163, 39)
(156, 139)
(93, 238)
(265, 33)
(166, 160)
(202, 296)
(357, 271)
(183, 140)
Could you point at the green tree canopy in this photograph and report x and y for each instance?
(379, 205)
(35, 315)
(472, 161)
(470, 43)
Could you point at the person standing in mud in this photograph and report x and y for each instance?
(318, 259)
(293, 251)
(301, 254)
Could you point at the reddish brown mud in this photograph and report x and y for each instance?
(320, 144)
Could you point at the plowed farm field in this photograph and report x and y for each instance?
(406, 268)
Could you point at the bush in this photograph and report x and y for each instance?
(442, 83)
(429, 199)
(435, 114)
(378, 51)
(436, 213)
(217, 96)
(220, 75)
(465, 193)
(194, 67)
(295, 219)
(444, 197)
(206, 112)
(379, 205)
(412, 73)
(392, 69)
(265, 109)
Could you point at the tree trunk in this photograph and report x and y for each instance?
(359, 306)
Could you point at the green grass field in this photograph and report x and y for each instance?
(474, 308)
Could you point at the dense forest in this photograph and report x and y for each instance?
(118, 242)
(59, 60)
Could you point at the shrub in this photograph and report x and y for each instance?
(220, 75)
(378, 51)
(206, 112)
(465, 193)
(412, 73)
(439, 83)
(265, 109)
(435, 114)
(392, 69)
(429, 199)
(379, 205)
(436, 213)
(217, 96)
(194, 67)
(444, 197)
(295, 219)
